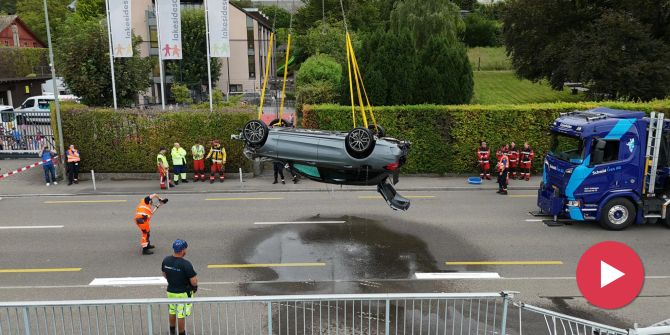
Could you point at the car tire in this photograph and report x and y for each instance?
(359, 142)
(618, 214)
(255, 133)
(378, 130)
(281, 123)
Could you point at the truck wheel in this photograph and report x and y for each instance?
(617, 214)
(255, 132)
(359, 142)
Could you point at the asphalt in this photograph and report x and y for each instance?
(338, 242)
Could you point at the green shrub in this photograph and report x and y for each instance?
(128, 140)
(481, 32)
(181, 94)
(444, 138)
(319, 67)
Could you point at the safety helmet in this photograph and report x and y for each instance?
(178, 245)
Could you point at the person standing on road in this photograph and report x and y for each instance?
(503, 169)
(143, 213)
(163, 168)
(218, 155)
(179, 164)
(526, 156)
(182, 284)
(48, 156)
(513, 159)
(198, 152)
(278, 168)
(484, 156)
(73, 159)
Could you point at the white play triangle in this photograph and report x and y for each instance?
(608, 274)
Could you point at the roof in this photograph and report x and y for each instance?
(7, 20)
(254, 14)
(601, 119)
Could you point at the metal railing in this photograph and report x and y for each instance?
(397, 314)
(477, 313)
(25, 132)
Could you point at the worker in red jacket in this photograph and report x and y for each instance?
(513, 159)
(503, 151)
(526, 160)
(483, 157)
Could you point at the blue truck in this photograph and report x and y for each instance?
(607, 165)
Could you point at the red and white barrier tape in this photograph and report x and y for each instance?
(55, 160)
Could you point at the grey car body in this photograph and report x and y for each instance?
(324, 156)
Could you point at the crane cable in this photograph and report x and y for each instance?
(267, 67)
(288, 53)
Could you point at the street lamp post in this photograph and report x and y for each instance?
(61, 147)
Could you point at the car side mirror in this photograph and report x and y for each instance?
(598, 152)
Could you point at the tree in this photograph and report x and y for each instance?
(445, 76)
(324, 39)
(481, 32)
(181, 94)
(32, 13)
(426, 19)
(318, 80)
(83, 61)
(277, 15)
(8, 7)
(547, 39)
(191, 70)
(91, 8)
(361, 14)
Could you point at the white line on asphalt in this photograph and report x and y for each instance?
(457, 275)
(30, 227)
(296, 222)
(534, 220)
(127, 281)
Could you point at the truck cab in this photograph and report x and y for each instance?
(597, 169)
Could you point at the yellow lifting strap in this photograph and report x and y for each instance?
(283, 87)
(351, 90)
(358, 88)
(365, 93)
(265, 78)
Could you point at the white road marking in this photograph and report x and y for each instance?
(533, 220)
(296, 222)
(457, 275)
(30, 227)
(128, 281)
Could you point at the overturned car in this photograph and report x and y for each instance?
(359, 157)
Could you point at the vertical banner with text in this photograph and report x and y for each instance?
(169, 18)
(121, 27)
(219, 28)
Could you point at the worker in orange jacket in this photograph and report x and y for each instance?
(143, 213)
(526, 160)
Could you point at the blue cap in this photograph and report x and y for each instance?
(179, 245)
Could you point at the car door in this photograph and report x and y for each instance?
(331, 151)
(295, 146)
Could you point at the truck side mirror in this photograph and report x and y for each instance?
(598, 152)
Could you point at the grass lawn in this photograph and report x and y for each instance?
(490, 58)
(502, 87)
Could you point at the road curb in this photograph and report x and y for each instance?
(412, 189)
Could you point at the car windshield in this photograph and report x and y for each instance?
(567, 148)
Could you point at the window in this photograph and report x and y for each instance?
(29, 103)
(251, 51)
(252, 66)
(610, 151)
(153, 36)
(566, 148)
(235, 88)
(6, 43)
(34, 45)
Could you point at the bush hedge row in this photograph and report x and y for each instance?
(444, 138)
(128, 140)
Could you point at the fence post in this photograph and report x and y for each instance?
(150, 320)
(388, 318)
(270, 318)
(241, 181)
(93, 179)
(505, 296)
(26, 322)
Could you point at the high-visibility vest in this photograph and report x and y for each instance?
(483, 154)
(527, 155)
(198, 152)
(73, 156)
(161, 161)
(178, 156)
(218, 155)
(143, 210)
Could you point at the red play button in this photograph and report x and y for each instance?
(610, 275)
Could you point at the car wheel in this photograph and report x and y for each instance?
(281, 123)
(255, 132)
(378, 130)
(617, 214)
(359, 142)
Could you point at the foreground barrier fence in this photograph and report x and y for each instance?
(423, 313)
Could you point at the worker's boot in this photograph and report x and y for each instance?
(275, 181)
(150, 246)
(176, 182)
(146, 251)
(283, 181)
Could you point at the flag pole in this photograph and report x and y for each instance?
(111, 53)
(209, 66)
(160, 54)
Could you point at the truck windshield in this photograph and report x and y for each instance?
(567, 148)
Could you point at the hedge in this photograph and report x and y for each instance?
(444, 138)
(128, 140)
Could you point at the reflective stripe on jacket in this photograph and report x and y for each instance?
(143, 210)
(73, 156)
(218, 155)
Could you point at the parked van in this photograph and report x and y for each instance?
(41, 103)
